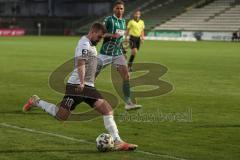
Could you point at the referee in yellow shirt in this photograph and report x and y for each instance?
(135, 29)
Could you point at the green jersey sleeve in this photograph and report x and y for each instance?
(108, 24)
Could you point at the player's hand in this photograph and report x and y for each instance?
(80, 87)
(116, 35)
(107, 35)
(142, 39)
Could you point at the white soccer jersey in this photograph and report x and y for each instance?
(85, 50)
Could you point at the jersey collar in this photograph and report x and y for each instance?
(117, 17)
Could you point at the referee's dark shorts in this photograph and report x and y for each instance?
(134, 42)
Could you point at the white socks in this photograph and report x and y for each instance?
(111, 127)
(50, 108)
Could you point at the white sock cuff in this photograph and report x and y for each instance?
(108, 120)
(111, 126)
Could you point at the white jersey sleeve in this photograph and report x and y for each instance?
(82, 50)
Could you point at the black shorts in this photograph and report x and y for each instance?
(73, 96)
(134, 42)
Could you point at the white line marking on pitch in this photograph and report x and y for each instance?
(80, 140)
(46, 133)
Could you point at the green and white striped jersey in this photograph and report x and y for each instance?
(113, 46)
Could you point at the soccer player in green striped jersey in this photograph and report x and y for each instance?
(112, 51)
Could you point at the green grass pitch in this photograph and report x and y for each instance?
(205, 76)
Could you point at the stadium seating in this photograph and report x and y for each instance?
(154, 12)
(160, 11)
(220, 15)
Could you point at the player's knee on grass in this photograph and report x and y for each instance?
(63, 114)
(103, 107)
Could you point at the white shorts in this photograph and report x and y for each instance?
(105, 60)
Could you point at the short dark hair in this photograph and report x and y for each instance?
(96, 26)
(118, 2)
(136, 10)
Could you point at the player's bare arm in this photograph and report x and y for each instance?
(81, 72)
(110, 35)
(126, 34)
(142, 36)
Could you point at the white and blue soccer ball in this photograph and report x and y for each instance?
(105, 142)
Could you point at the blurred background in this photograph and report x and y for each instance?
(198, 120)
(164, 19)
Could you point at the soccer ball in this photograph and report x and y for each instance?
(105, 142)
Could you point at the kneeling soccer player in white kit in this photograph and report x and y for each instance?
(80, 88)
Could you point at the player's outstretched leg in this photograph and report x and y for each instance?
(35, 101)
(103, 107)
(129, 105)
